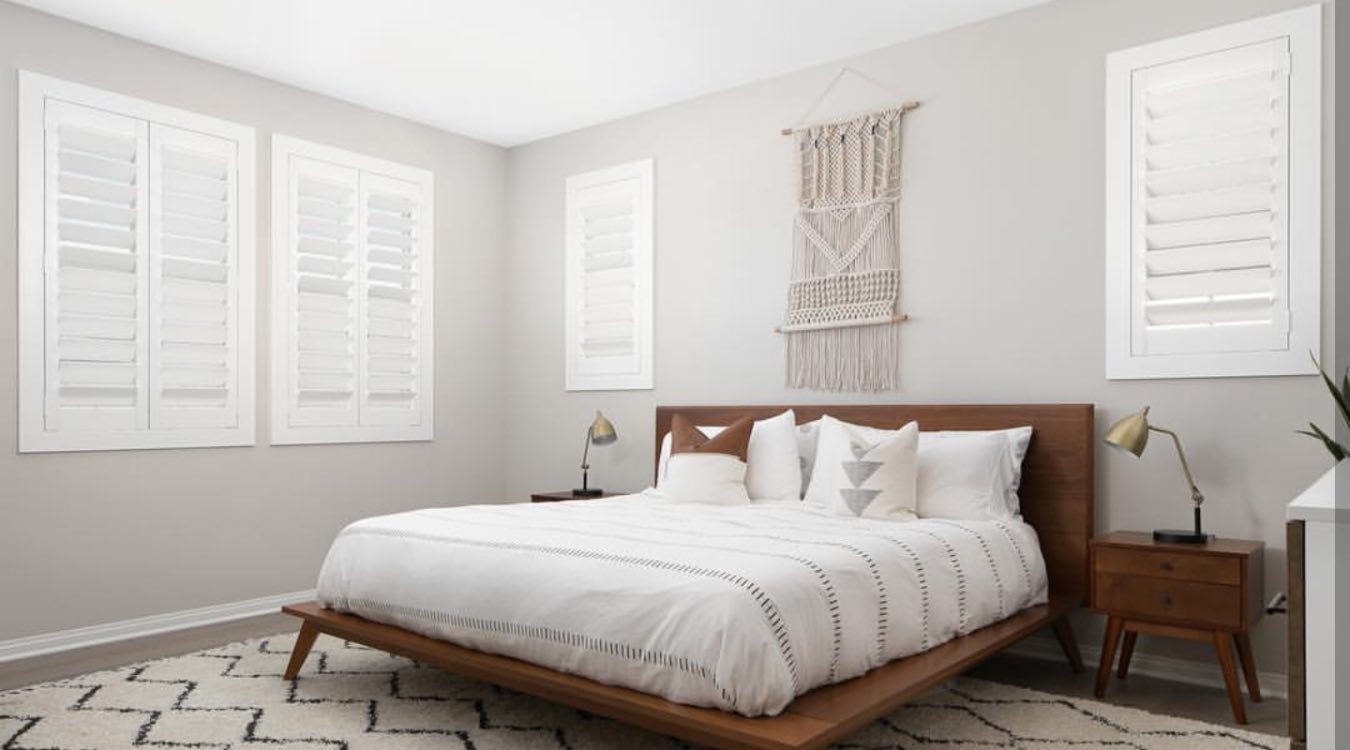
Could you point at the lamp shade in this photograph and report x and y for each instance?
(1130, 434)
(602, 430)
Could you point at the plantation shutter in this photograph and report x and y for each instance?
(392, 301)
(194, 280)
(96, 270)
(135, 273)
(1213, 201)
(322, 280)
(609, 255)
(1211, 195)
(353, 319)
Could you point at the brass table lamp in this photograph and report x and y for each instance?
(1131, 435)
(601, 432)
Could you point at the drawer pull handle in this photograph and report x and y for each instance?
(1167, 599)
(1167, 566)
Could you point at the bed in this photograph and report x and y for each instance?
(774, 628)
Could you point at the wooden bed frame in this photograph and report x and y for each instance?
(1056, 496)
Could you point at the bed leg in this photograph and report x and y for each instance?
(304, 641)
(1064, 634)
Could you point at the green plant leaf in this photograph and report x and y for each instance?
(1337, 450)
(1341, 395)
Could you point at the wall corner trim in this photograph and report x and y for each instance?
(112, 632)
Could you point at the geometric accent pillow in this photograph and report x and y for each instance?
(865, 473)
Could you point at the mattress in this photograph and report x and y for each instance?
(736, 608)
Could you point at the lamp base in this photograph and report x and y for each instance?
(1178, 536)
(588, 492)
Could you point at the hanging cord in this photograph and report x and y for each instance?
(905, 106)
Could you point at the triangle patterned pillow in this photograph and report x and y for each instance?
(870, 474)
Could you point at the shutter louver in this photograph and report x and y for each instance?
(323, 272)
(96, 270)
(609, 278)
(194, 335)
(392, 300)
(1211, 195)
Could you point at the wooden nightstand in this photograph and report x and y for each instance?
(1203, 592)
(561, 495)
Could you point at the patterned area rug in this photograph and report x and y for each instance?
(353, 698)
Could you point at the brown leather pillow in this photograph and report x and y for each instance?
(732, 441)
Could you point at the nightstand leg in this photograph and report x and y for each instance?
(1126, 651)
(1244, 649)
(1114, 625)
(1224, 649)
(1064, 634)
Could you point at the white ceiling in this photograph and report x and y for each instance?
(512, 71)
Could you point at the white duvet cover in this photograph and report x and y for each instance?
(738, 608)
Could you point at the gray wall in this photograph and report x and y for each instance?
(1002, 259)
(88, 538)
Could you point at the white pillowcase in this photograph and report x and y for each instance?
(971, 475)
(862, 473)
(774, 471)
(704, 478)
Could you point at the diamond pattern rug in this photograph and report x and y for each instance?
(353, 698)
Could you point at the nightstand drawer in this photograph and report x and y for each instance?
(1203, 604)
(1175, 565)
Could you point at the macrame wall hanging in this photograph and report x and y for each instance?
(841, 320)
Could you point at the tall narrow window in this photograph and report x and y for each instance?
(136, 273)
(608, 278)
(1213, 201)
(352, 335)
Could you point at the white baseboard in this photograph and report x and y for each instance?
(1162, 667)
(94, 635)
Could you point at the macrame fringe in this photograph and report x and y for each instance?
(858, 358)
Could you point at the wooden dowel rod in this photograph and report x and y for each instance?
(907, 106)
(894, 319)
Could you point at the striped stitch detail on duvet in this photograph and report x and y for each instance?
(543, 633)
(770, 609)
(989, 557)
(826, 585)
(883, 611)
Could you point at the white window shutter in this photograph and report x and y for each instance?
(1213, 191)
(318, 274)
(353, 314)
(97, 270)
(608, 278)
(194, 335)
(136, 276)
(396, 313)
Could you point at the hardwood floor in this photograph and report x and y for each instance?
(1139, 691)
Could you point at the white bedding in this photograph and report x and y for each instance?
(737, 608)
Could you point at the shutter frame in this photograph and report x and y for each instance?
(609, 211)
(1156, 344)
(367, 424)
(36, 93)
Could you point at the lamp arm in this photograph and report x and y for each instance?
(1196, 495)
(586, 453)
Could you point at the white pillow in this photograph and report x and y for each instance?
(774, 473)
(859, 473)
(704, 478)
(971, 475)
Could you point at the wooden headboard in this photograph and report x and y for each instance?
(1057, 481)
